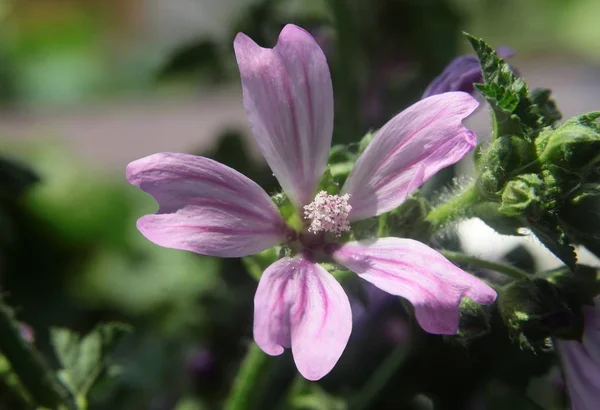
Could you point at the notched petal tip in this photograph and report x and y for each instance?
(414, 145)
(298, 304)
(404, 267)
(288, 98)
(292, 32)
(135, 169)
(205, 207)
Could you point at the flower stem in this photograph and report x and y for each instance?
(248, 383)
(346, 68)
(454, 209)
(380, 378)
(481, 263)
(31, 368)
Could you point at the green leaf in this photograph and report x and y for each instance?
(506, 93)
(580, 287)
(581, 217)
(544, 107)
(83, 359)
(548, 230)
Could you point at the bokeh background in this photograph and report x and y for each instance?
(86, 86)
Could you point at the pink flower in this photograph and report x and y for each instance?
(211, 209)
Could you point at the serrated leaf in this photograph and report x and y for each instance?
(544, 107)
(83, 359)
(506, 93)
(580, 286)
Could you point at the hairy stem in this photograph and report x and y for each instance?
(248, 383)
(454, 209)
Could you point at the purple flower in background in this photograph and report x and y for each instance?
(27, 332)
(211, 209)
(581, 362)
(201, 364)
(461, 73)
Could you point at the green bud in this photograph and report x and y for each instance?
(505, 157)
(521, 196)
(574, 145)
(535, 310)
(408, 220)
(474, 321)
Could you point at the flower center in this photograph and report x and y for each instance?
(328, 213)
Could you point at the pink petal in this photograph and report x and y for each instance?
(205, 207)
(413, 270)
(299, 304)
(581, 362)
(408, 150)
(289, 101)
(582, 375)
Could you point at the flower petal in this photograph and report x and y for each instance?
(408, 150)
(581, 361)
(288, 97)
(582, 375)
(413, 270)
(299, 304)
(205, 207)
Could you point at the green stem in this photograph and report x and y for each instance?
(481, 263)
(31, 368)
(380, 378)
(346, 68)
(248, 383)
(454, 209)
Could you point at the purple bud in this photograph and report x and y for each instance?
(461, 73)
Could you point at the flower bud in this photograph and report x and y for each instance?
(575, 145)
(521, 196)
(499, 162)
(474, 321)
(535, 310)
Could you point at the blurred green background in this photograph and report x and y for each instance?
(88, 86)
